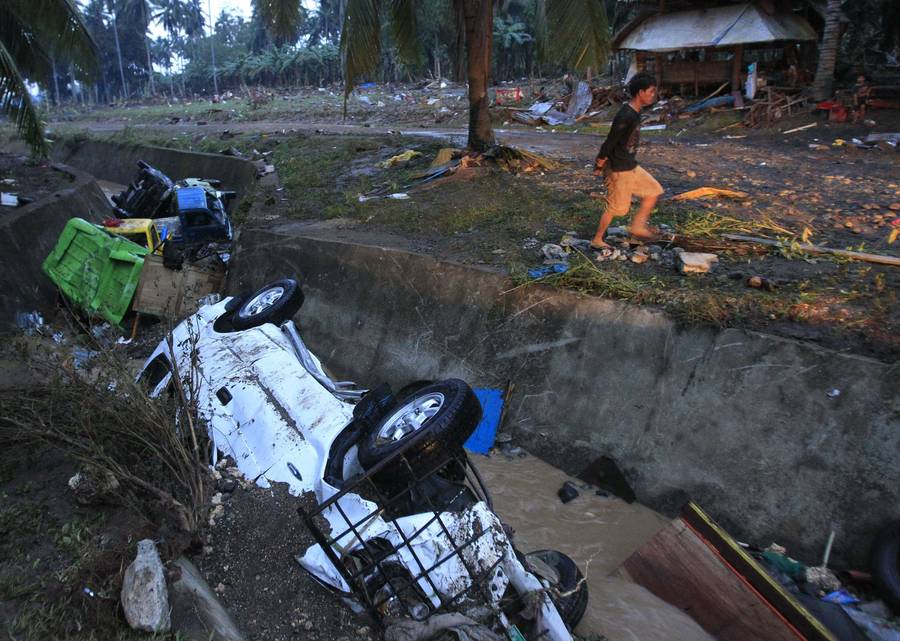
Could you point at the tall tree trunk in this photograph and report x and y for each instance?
(119, 52)
(479, 21)
(459, 63)
(823, 84)
(55, 81)
(149, 64)
(212, 47)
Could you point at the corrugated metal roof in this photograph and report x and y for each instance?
(717, 27)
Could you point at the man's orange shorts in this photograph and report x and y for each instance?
(621, 186)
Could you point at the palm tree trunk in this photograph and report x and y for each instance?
(459, 71)
(479, 22)
(119, 52)
(823, 84)
(55, 82)
(149, 64)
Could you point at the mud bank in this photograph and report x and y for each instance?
(741, 422)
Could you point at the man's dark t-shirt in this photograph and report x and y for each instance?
(621, 144)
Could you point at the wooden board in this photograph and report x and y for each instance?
(683, 568)
(173, 294)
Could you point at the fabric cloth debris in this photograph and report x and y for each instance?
(546, 270)
(464, 628)
(400, 159)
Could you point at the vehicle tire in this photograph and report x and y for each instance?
(274, 303)
(571, 602)
(886, 564)
(441, 416)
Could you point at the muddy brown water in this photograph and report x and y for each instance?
(599, 533)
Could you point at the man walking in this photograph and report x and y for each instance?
(616, 162)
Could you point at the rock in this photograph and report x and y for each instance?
(758, 282)
(823, 578)
(145, 599)
(196, 611)
(639, 259)
(696, 262)
(677, 250)
(894, 206)
(92, 485)
(567, 492)
(226, 486)
(654, 249)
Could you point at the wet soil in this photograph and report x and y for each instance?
(29, 180)
(250, 561)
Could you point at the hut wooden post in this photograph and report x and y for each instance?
(736, 66)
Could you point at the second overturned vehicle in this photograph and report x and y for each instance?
(404, 526)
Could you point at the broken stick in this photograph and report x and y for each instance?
(816, 249)
(795, 129)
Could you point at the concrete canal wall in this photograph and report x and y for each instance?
(741, 422)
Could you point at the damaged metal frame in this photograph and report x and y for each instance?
(356, 579)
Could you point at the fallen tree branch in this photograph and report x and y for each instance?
(816, 249)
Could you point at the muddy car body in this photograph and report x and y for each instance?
(269, 405)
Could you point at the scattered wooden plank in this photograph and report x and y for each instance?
(796, 129)
(817, 249)
(684, 566)
(704, 192)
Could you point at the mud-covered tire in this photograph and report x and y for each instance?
(885, 561)
(571, 591)
(274, 303)
(454, 420)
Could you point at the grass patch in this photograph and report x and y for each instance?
(708, 224)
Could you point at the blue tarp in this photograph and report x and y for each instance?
(482, 438)
(191, 198)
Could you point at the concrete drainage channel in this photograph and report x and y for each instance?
(742, 423)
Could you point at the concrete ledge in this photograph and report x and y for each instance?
(739, 421)
(28, 234)
(118, 163)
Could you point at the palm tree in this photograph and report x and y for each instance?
(282, 18)
(573, 32)
(138, 12)
(823, 83)
(32, 34)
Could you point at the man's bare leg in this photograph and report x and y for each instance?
(639, 226)
(605, 220)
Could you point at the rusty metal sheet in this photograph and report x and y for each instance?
(717, 27)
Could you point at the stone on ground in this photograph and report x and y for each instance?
(696, 262)
(145, 598)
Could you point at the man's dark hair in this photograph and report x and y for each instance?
(640, 82)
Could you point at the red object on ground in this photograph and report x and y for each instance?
(513, 94)
(112, 222)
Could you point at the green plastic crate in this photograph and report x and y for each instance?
(97, 271)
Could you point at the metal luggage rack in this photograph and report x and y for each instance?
(380, 555)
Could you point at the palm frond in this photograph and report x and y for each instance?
(577, 33)
(282, 18)
(32, 59)
(360, 42)
(15, 102)
(58, 28)
(403, 30)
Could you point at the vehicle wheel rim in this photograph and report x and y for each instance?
(410, 418)
(264, 300)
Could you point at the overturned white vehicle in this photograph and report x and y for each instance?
(403, 523)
